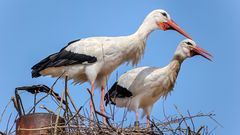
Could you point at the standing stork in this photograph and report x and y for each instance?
(94, 59)
(142, 87)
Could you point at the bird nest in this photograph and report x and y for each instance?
(76, 122)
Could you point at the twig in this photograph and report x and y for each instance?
(189, 132)
(107, 119)
(15, 104)
(76, 110)
(50, 91)
(9, 132)
(49, 127)
(66, 99)
(124, 116)
(152, 121)
(191, 120)
(59, 110)
(20, 100)
(9, 118)
(65, 90)
(42, 88)
(74, 115)
(94, 108)
(20, 111)
(54, 83)
(5, 108)
(199, 130)
(45, 108)
(216, 121)
(103, 115)
(72, 102)
(35, 99)
(165, 115)
(38, 102)
(212, 130)
(181, 115)
(177, 120)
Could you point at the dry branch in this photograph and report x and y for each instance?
(75, 123)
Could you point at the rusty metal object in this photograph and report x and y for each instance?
(38, 124)
(35, 89)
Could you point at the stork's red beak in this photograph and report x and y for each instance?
(199, 51)
(171, 25)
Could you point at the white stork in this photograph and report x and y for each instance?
(94, 59)
(142, 87)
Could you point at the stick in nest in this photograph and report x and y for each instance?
(94, 108)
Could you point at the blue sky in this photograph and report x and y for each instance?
(32, 30)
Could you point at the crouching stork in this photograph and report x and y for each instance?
(142, 87)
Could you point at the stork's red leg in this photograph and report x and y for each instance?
(102, 103)
(91, 104)
(136, 115)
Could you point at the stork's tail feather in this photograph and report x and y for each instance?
(116, 91)
(35, 74)
(36, 69)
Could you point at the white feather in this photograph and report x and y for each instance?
(109, 51)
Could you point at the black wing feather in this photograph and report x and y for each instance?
(62, 58)
(116, 91)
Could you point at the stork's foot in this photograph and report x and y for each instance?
(136, 124)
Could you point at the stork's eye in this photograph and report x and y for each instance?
(164, 14)
(188, 43)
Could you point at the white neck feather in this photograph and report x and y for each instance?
(135, 46)
(147, 26)
(138, 40)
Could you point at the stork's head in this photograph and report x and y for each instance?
(162, 20)
(188, 48)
